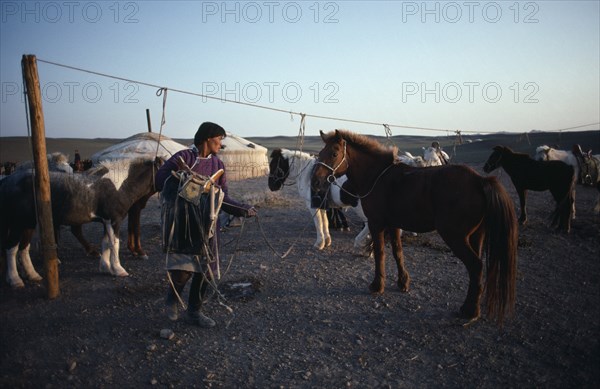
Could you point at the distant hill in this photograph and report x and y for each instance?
(474, 148)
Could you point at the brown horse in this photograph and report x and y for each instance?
(471, 213)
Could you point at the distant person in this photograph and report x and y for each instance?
(78, 165)
(201, 159)
(440, 153)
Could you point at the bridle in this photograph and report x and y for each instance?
(331, 178)
(277, 176)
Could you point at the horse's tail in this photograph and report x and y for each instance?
(501, 250)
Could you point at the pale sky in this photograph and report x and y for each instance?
(467, 65)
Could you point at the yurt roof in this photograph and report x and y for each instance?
(144, 144)
(237, 144)
(243, 159)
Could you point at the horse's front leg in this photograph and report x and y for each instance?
(77, 231)
(403, 276)
(134, 243)
(363, 242)
(326, 235)
(573, 206)
(12, 275)
(522, 201)
(378, 284)
(19, 252)
(25, 259)
(109, 260)
(322, 228)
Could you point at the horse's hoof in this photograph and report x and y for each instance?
(18, 284)
(104, 268)
(119, 271)
(403, 288)
(36, 278)
(471, 314)
(376, 289)
(139, 254)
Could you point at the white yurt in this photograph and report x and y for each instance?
(144, 144)
(243, 159)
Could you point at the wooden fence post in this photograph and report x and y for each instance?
(148, 119)
(42, 178)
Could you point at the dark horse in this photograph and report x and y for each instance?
(471, 213)
(76, 200)
(527, 173)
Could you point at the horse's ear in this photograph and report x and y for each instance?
(323, 136)
(338, 134)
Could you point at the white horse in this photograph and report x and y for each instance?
(411, 160)
(298, 166)
(547, 153)
(435, 156)
(105, 196)
(57, 162)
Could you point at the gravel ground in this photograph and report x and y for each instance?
(307, 320)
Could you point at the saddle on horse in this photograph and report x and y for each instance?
(588, 166)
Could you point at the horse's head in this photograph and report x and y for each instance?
(541, 153)
(279, 170)
(495, 159)
(59, 162)
(332, 161)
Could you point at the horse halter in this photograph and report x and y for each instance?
(331, 177)
(276, 175)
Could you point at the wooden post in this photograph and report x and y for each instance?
(148, 119)
(42, 178)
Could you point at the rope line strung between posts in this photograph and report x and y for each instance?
(282, 110)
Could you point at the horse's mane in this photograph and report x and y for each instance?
(365, 143)
(117, 170)
(287, 154)
(54, 161)
(58, 158)
(523, 156)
